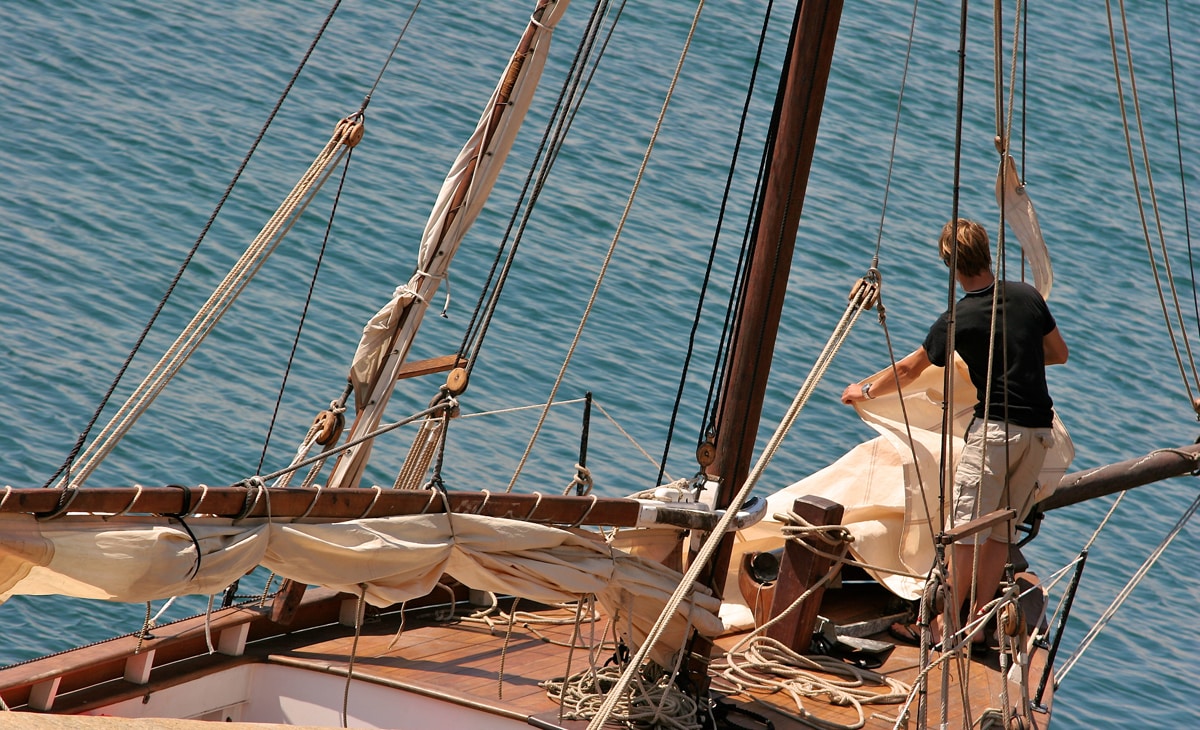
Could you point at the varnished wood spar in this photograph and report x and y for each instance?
(1105, 480)
(347, 504)
(235, 501)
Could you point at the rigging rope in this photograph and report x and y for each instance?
(1133, 171)
(321, 256)
(1187, 226)
(765, 665)
(712, 542)
(611, 247)
(69, 461)
(712, 254)
(347, 133)
(887, 184)
(1137, 577)
(312, 285)
(569, 99)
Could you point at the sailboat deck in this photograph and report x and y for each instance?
(502, 669)
(499, 668)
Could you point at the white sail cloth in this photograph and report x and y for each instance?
(890, 489)
(392, 559)
(459, 202)
(388, 336)
(889, 485)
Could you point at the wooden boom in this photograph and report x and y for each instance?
(348, 504)
(1105, 480)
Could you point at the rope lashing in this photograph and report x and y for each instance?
(582, 483)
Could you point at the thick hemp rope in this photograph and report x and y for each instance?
(347, 133)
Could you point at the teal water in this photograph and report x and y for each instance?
(124, 121)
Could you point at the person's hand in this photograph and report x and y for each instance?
(854, 393)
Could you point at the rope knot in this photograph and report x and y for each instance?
(796, 527)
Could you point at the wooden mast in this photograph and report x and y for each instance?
(793, 136)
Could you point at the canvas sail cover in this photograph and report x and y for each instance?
(134, 559)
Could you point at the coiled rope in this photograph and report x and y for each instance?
(759, 663)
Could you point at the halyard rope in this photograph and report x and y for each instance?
(220, 301)
(861, 295)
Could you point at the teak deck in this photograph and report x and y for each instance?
(499, 669)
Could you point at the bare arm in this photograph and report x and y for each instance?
(1055, 347)
(907, 370)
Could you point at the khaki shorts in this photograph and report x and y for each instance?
(979, 485)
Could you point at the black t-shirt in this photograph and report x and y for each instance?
(1019, 393)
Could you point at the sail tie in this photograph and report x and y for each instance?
(581, 484)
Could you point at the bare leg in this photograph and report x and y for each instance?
(993, 556)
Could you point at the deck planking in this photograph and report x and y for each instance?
(504, 670)
(501, 667)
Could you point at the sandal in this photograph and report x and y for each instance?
(906, 633)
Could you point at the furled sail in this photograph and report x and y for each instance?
(387, 337)
(391, 559)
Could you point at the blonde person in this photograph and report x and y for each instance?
(1020, 414)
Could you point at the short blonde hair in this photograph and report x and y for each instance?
(974, 251)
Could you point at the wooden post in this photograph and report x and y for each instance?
(799, 570)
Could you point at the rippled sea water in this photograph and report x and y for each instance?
(125, 121)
